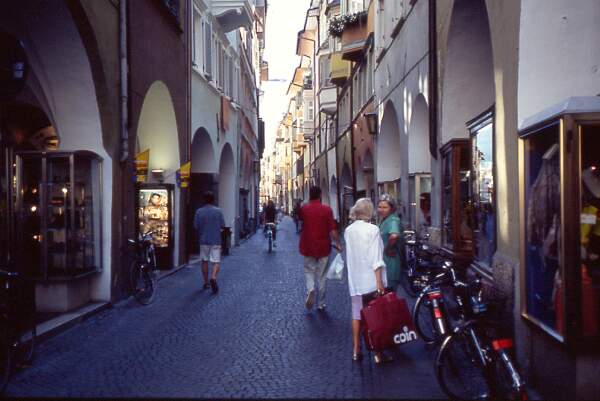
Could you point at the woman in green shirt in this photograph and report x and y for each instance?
(389, 227)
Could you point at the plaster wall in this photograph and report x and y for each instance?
(400, 77)
(558, 53)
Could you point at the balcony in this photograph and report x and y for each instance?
(340, 69)
(232, 14)
(354, 30)
(328, 100)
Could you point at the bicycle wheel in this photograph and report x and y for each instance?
(270, 244)
(459, 369)
(5, 359)
(423, 318)
(505, 383)
(407, 277)
(143, 283)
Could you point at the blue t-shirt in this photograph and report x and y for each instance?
(208, 221)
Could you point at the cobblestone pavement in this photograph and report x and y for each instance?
(255, 339)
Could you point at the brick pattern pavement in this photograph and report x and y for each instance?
(254, 339)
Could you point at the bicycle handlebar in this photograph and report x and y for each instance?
(6, 273)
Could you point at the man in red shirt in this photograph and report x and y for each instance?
(318, 227)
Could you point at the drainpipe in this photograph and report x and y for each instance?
(124, 70)
(433, 80)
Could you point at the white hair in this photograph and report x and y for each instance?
(363, 209)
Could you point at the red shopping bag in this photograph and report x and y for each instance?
(387, 322)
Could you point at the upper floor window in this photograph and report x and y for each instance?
(354, 6)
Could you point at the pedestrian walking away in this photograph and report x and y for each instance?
(318, 228)
(389, 228)
(209, 222)
(366, 268)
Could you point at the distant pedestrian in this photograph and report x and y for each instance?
(389, 228)
(296, 214)
(366, 268)
(209, 222)
(318, 227)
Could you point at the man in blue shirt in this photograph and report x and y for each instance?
(209, 221)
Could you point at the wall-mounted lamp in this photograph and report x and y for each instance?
(158, 174)
(371, 122)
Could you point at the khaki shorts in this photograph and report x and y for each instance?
(210, 253)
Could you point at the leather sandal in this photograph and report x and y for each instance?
(381, 359)
(357, 356)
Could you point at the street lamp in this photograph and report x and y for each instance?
(371, 122)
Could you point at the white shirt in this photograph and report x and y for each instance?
(364, 255)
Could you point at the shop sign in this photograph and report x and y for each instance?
(141, 165)
(183, 175)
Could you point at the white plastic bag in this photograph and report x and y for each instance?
(336, 268)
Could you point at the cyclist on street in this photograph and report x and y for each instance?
(271, 217)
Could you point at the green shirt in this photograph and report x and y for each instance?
(391, 225)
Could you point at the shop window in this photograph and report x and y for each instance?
(560, 202)
(483, 195)
(457, 208)
(154, 204)
(590, 230)
(58, 213)
(419, 211)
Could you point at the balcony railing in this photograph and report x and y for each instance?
(340, 69)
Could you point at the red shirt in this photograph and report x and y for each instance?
(317, 223)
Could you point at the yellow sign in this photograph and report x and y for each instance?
(183, 175)
(141, 165)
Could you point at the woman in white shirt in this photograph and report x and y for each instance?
(366, 269)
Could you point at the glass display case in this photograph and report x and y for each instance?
(154, 213)
(560, 200)
(457, 207)
(419, 193)
(58, 213)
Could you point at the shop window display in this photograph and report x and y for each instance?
(542, 231)
(590, 231)
(482, 181)
(58, 215)
(154, 205)
(457, 207)
(419, 187)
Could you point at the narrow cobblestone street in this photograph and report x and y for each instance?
(254, 339)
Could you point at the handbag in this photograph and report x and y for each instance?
(387, 322)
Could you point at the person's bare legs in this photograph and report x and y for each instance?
(215, 270)
(356, 336)
(205, 271)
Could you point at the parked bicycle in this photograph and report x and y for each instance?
(474, 363)
(269, 228)
(142, 272)
(18, 330)
(421, 262)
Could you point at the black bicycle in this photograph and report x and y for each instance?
(18, 330)
(474, 363)
(420, 263)
(142, 272)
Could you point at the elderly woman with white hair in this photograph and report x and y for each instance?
(366, 268)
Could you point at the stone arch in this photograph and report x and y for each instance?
(157, 130)
(62, 82)
(227, 190)
(388, 145)
(203, 153)
(468, 81)
(419, 157)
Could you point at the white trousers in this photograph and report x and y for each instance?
(314, 272)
